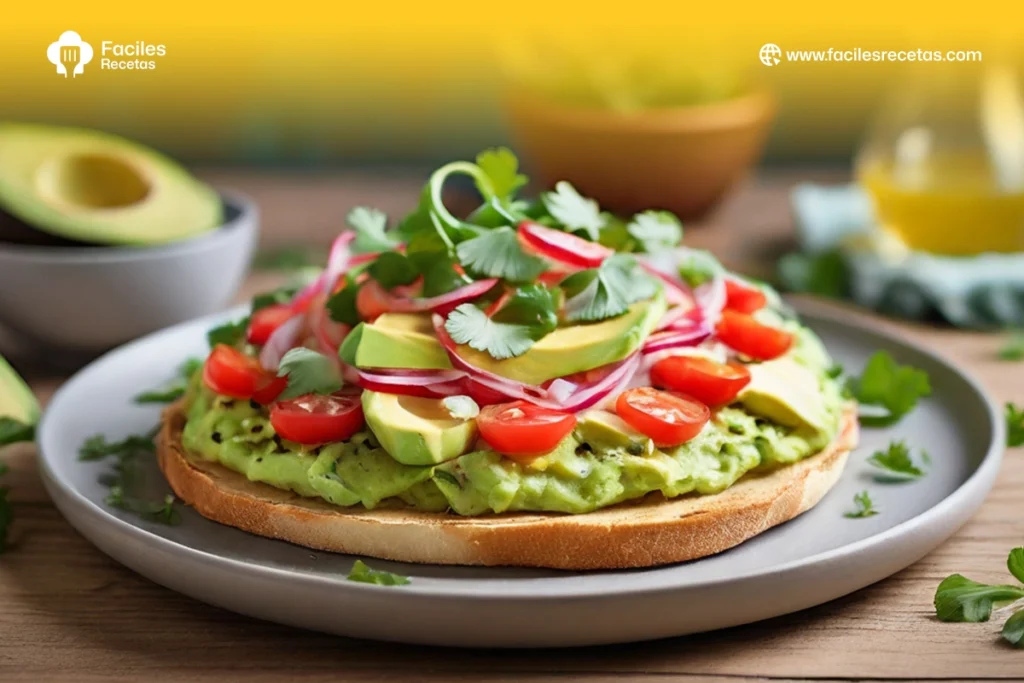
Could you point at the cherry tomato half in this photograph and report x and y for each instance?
(715, 384)
(316, 419)
(562, 246)
(739, 297)
(523, 431)
(744, 334)
(230, 372)
(265, 321)
(372, 301)
(668, 419)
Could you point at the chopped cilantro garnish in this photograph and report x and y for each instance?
(607, 291)
(502, 168)
(1014, 425)
(656, 230)
(230, 333)
(527, 316)
(699, 266)
(362, 573)
(896, 463)
(886, 384)
(392, 269)
(176, 389)
(308, 372)
(13, 431)
(1013, 349)
(574, 211)
(865, 506)
(497, 253)
(371, 230)
(342, 305)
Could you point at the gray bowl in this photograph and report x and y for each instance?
(83, 300)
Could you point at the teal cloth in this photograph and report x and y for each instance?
(977, 292)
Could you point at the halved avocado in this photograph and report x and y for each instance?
(16, 400)
(98, 188)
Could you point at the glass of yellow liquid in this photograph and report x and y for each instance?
(944, 163)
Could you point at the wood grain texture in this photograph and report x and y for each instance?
(68, 613)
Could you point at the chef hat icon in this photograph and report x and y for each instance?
(69, 39)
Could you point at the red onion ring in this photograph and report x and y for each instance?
(671, 339)
(434, 383)
(676, 291)
(710, 298)
(337, 261)
(449, 300)
(279, 343)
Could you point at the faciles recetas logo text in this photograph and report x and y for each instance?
(70, 54)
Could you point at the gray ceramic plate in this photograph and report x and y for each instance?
(810, 560)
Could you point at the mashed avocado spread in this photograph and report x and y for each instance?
(790, 411)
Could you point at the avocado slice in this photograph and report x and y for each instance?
(787, 393)
(416, 430)
(99, 188)
(402, 340)
(17, 401)
(604, 430)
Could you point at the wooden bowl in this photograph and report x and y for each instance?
(681, 159)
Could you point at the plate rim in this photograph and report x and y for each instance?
(974, 487)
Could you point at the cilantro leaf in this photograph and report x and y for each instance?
(527, 316)
(836, 371)
(230, 333)
(362, 573)
(656, 230)
(1014, 347)
(889, 385)
(308, 372)
(896, 463)
(961, 599)
(1014, 425)
(497, 253)
(574, 211)
(606, 292)
(13, 431)
(865, 506)
(698, 266)
(342, 305)
(1015, 563)
(176, 389)
(97, 447)
(502, 168)
(1013, 629)
(371, 230)
(392, 269)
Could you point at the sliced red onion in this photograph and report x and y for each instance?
(671, 339)
(449, 300)
(282, 339)
(359, 259)
(414, 382)
(301, 301)
(561, 390)
(677, 292)
(337, 261)
(710, 297)
(680, 317)
(587, 396)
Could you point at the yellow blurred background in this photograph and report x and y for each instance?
(337, 83)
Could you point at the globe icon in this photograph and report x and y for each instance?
(771, 54)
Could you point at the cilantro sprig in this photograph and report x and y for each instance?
(498, 253)
(371, 228)
(230, 333)
(960, 599)
(886, 384)
(174, 390)
(574, 211)
(527, 316)
(308, 372)
(656, 230)
(363, 573)
(865, 506)
(607, 291)
(895, 463)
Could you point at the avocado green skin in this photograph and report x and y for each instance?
(16, 400)
(177, 205)
(412, 440)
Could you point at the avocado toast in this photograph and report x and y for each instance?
(538, 384)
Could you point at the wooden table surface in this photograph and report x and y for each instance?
(67, 612)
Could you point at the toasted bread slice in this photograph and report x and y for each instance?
(643, 533)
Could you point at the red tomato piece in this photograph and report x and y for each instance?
(562, 246)
(739, 297)
(668, 419)
(744, 334)
(715, 384)
(317, 419)
(264, 321)
(372, 301)
(230, 372)
(523, 431)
